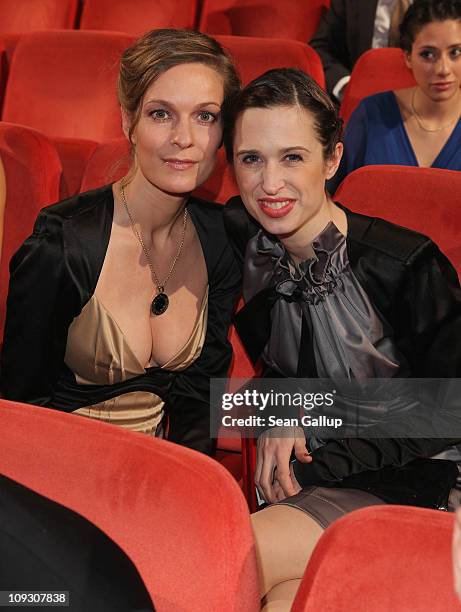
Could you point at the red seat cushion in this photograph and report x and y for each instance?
(382, 558)
(296, 20)
(137, 17)
(33, 174)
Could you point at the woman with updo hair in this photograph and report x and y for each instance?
(334, 295)
(420, 125)
(119, 303)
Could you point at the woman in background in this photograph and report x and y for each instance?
(421, 125)
(120, 301)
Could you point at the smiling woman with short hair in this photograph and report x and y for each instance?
(329, 294)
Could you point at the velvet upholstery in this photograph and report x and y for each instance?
(108, 163)
(375, 71)
(33, 172)
(177, 514)
(423, 199)
(253, 56)
(70, 76)
(137, 17)
(30, 15)
(382, 558)
(296, 20)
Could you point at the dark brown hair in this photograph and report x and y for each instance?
(422, 12)
(156, 52)
(287, 87)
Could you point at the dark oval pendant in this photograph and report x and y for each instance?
(159, 304)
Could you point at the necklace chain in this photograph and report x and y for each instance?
(159, 285)
(420, 121)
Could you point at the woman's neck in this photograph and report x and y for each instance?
(438, 111)
(153, 210)
(299, 244)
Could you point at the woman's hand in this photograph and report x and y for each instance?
(273, 476)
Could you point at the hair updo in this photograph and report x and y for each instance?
(287, 87)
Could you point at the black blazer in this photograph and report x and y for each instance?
(415, 288)
(344, 33)
(54, 274)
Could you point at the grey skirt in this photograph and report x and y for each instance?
(325, 505)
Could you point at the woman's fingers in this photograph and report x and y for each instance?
(274, 453)
(300, 447)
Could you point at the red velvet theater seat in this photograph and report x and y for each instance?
(254, 56)
(63, 84)
(178, 515)
(137, 17)
(375, 71)
(30, 15)
(423, 199)
(108, 163)
(295, 20)
(33, 172)
(382, 559)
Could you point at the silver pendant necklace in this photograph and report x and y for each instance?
(160, 301)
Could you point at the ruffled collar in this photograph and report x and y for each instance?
(312, 279)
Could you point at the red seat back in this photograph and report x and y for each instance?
(30, 15)
(137, 17)
(108, 163)
(295, 20)
(375, 71)
(33, 173)
(423, 199)
(63, 83)
(253, 56)
(382, 558)
(177, 514)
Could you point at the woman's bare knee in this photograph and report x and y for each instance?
(285, 538)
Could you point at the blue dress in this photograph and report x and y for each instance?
(376, 134)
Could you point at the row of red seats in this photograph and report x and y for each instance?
(296, 20)
(190, 538)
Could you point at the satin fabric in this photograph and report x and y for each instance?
(348, 336)
(52, 277)
(97, 352)
(414, 288)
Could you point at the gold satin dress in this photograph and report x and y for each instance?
(98, 353)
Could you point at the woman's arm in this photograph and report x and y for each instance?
(429, 311)
(36, 319)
